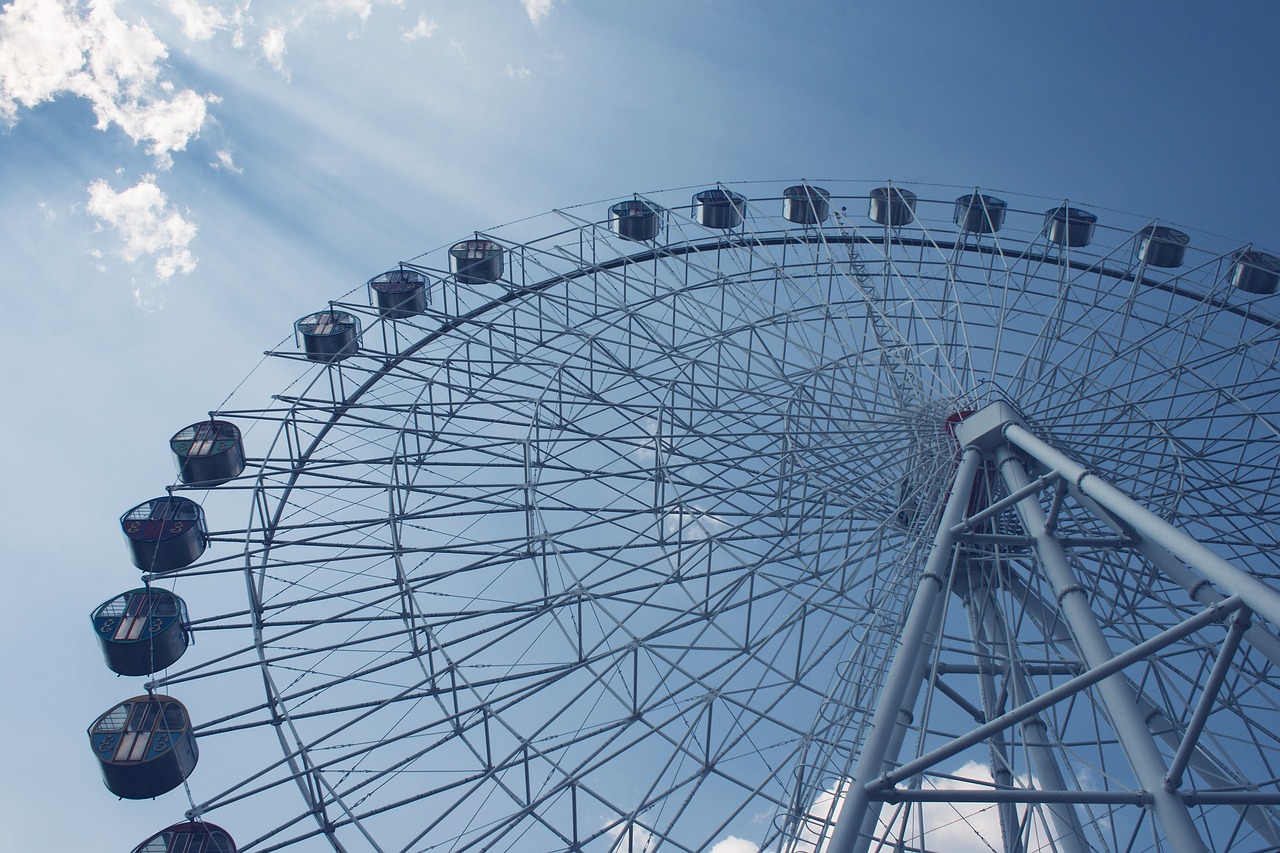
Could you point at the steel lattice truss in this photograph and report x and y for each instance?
(616, 553)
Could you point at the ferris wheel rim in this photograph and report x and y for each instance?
(672, 248)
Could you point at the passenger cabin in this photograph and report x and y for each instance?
(1162, 247)
(165, 533)
(1069, 226)
(892, 206)
(144, 746)
(1255, 272)
(400, 293)
(142, 631)
(209, 453)
(979, 214)
(806, 205)
(719, 208)
(635, 220)
(190, 837)
(328, 335)
(476, 261)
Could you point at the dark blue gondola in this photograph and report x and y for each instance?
(1160, 246)
(1255, 272)
(165, 533)
(719, 208)
(635, 219)
(142, 631)
(476, 261)
(328, 335)
(1069, 226)
(806, 205)
(892, 206)
(400, 293)
(209, 453)
(189, 837)
(144, 746)
(979, 214)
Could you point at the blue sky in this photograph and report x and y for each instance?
(179, 181)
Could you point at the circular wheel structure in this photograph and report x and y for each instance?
(692, 522)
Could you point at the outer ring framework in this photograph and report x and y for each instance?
(903, 344)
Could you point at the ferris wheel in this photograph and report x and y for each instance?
(826, 518)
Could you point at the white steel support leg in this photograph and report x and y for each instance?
(1157, 721)
(978, 604)
(1068, 834)
(858, 814)
(1200, 590)
(1176, 825)
(1257, 596)
(1257, 635)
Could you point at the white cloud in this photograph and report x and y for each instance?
(647, 452)
(424, 29)
(825, 810)
(168, 124)
(632, 838)
(459, 47)
(963, 827)
(537, 9)
(733, 844)
(692, 523)
(520, 73)
(225, 161)
(147, 225)
(238, 22)
(300, 17)
(362, 8)
(199, 23)
(274, 47)
(955, 828)
(50, 48)
(40, 52)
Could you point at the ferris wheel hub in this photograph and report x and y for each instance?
(984, 429)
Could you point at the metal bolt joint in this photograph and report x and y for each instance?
(1074, 588)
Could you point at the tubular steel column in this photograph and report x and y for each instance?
(857, 822)
(1257, 596)
(1068, 834)
(1260, 637)
(978, 601)
(1121, 704)
(1157, 721)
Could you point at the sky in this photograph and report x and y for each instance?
(180, 181)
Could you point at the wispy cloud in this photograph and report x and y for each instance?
(274, 47)
(148, 226)
(50, 48)
(631, 838)
(459, 47)
(425, 28)
(518, 73)
(305, 15)
(956, 828)
(224, 160)
(360, 8)
(537, 9)
(199, 22)
(104, 52)
(693, 523)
